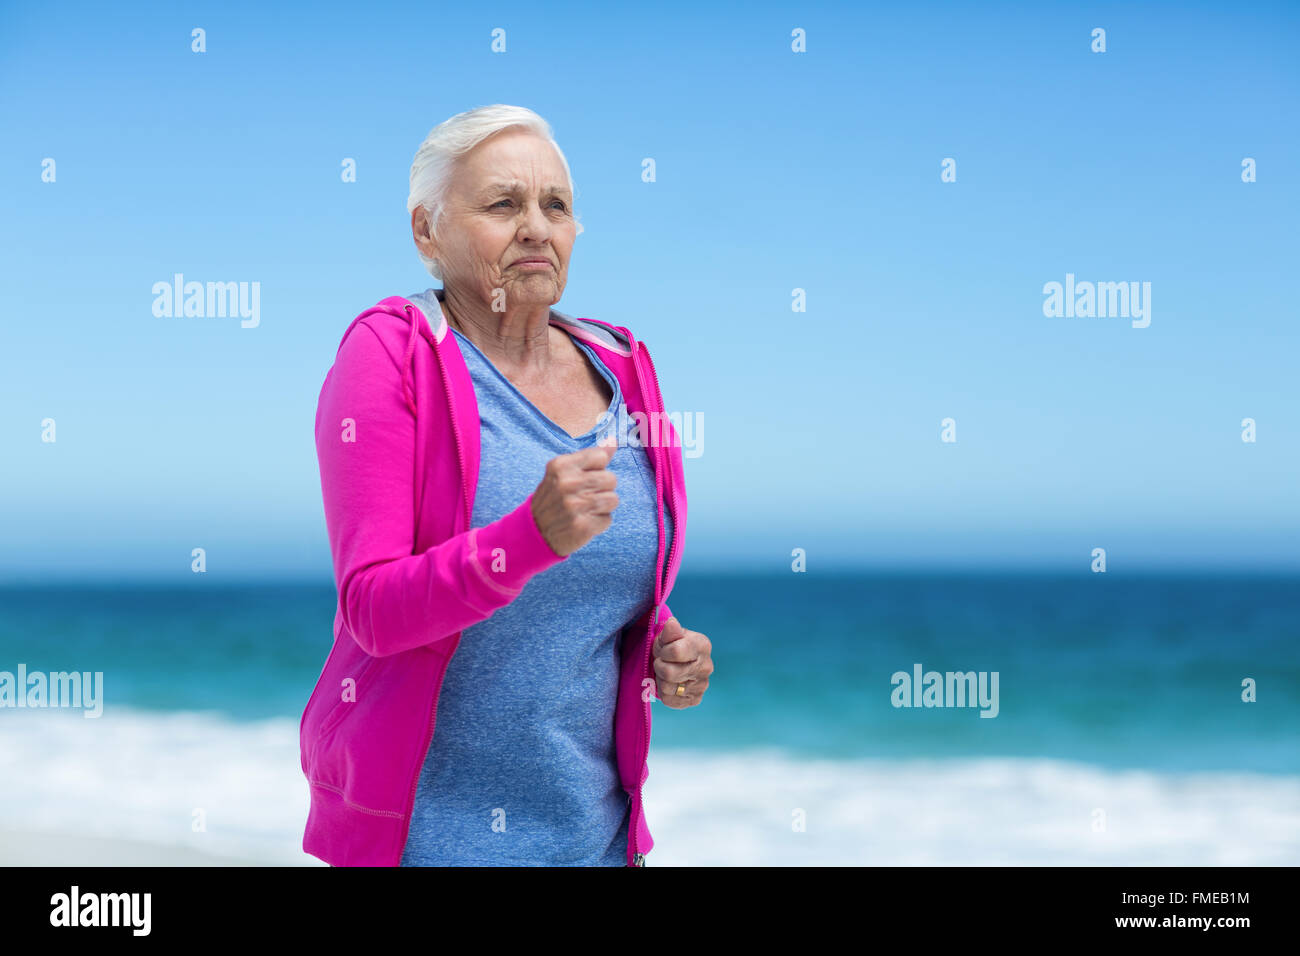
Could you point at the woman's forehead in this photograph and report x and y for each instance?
(518, 186)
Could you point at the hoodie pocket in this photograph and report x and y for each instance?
(341, 706)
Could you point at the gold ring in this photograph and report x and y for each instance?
(681, 690)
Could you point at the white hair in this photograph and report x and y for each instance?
(453, 138)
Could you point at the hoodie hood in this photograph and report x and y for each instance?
(434, 329)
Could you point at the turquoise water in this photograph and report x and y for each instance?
(1118, 672)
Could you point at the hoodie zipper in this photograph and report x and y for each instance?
(464, 489)
(672, 487)
(638, 857)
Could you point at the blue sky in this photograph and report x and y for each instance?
(776, 171)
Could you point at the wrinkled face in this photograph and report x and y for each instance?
(508, 202)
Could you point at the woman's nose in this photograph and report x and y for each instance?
(535, 225)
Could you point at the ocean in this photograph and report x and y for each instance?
(1121, 735)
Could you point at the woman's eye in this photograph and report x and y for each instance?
(557, 202)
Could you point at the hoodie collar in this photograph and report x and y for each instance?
(615, 338)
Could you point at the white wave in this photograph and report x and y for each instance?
(739, 809)
(140, 775)
(148, 776)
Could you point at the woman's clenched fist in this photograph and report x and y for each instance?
(575, 500)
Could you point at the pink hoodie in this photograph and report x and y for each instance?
(397, 439)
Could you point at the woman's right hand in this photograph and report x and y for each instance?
(575, 500)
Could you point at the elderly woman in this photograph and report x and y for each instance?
(505, 503)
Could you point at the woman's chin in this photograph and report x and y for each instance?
(534, 289)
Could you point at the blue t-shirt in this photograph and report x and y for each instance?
(522, 769)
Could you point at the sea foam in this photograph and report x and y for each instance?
(148, 776)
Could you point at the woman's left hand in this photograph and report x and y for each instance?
(682, 658)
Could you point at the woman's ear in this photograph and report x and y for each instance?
(421, 232)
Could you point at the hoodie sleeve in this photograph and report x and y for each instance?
(392, 599)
